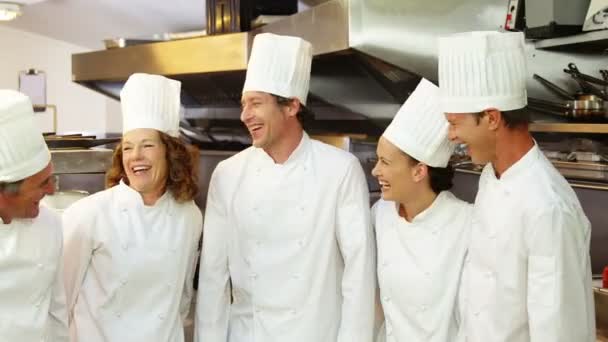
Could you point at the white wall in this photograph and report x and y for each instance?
(79, 109)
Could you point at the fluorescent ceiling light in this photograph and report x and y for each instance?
(9, 11)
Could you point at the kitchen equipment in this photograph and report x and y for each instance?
(226, 16)
(76, 141)
(580, 110)
(515, 20)
(597, 16)
(585, 81)
(581, 106)
(554, 18)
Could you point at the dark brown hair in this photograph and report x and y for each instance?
(182, 168)
(512, 118)
(441, 178)
(305, 115)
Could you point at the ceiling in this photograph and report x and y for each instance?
(87, 22)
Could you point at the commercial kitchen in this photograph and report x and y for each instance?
(73, 60)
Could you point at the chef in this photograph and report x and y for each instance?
(288, 252)
(421, 228)
(529, 274)
(32, 299)
(130, 250)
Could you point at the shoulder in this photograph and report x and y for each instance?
(48, 220)
(90, 206)
(234, 161)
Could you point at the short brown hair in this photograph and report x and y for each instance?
(512, 118)
(305, 115)
(182, 164)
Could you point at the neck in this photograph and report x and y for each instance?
(281, 151)
(6, 219)
(511, 145)
(410, 209)
(150, 198)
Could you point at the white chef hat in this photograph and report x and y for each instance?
(420, 129)
(151, 101)
(23, 151)
(481, 70)
(279, 65)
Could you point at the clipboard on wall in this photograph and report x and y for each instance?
(32, 83)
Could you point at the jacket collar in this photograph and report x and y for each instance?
(296, 156)
(129, 197)
(434, 215)
(517, 170)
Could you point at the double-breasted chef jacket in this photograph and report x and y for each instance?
(419, 268)
(32, 298)
(294, 241)
(129, 267)
(528, 275)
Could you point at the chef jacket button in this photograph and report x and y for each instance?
(435, 232)
(118, 314)
(258, 243)
(295, 276)
(476, 313)
(38, 304)
(255, 208)
(293, 311)
(253, 275)
(40, 265)
(300, 243)
(123, 282)
(161, 317)
(489, 275)
(385, 263)
(387, 299)
(427, 273)
(423, 308)
(257, 310)
(124, 246)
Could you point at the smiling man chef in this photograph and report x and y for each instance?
(32, 300)
(287, 221)
(529, 274)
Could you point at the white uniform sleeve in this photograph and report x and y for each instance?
(57, 330)
(357, 245)
(213, 302)
(188, 292)
(560, 303)
(78, 248)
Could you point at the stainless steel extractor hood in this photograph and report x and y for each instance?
(369, 56)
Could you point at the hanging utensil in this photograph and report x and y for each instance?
(557, 90)
(583, 82)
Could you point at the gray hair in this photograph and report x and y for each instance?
(11, 188)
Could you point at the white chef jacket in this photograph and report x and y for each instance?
(419, 268)
(295, 241)
(128, 267)
(32, 298)
(529, 271)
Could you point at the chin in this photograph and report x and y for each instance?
(387, 196)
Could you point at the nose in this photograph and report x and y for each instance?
(245, 114)
(137, 152)
(51, 186)
(452, 136)
(375, 170)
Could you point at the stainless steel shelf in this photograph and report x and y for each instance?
(598, 39)
(97, 160)
(569, 128)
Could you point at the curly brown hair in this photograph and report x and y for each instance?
(182, 168)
